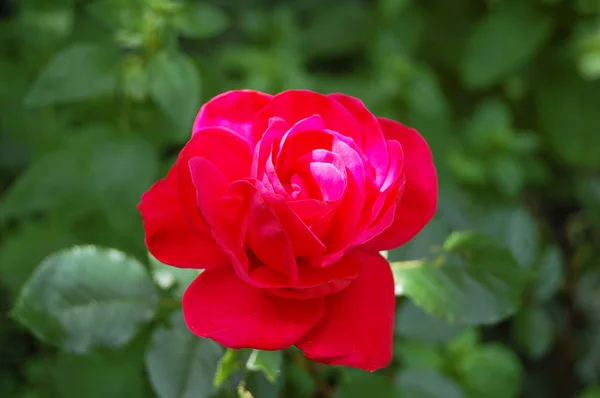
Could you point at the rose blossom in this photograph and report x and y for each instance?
(286, 201)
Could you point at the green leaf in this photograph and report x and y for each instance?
(414, 323)
(168, 277)
(505, 39)
(565, 102)
(491, 371)
(78, 376)
(299, 381)
(175, 86)
(230, 363)
(201, 21)
(427, 384)
(121, 171)
(259, 385)
(549, 274)
(361, 384)
(508, 174)
(118, 14)
(180, 364)
(78, 72)
(269, 362)
(533, 330)
(481, 284)
(520, 233)
(413, 354)
(23, 250)
(86, 297)
(47, 182)
(591, 392)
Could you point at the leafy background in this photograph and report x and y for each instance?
(97, 97)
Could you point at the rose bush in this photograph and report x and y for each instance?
(286, 201)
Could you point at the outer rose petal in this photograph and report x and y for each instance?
(418, 202)
(357, 326)
(169, 236)
(234, 110)
(220, 306)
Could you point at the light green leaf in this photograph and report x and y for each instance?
(180, 364)
(269, 362)
(168, 277)
(201, 21)
(427, 384)
(87, 297)
(491, 371)
(175, 86)
(534, 330)
(78, 72)
(479, 283)
(504, 40)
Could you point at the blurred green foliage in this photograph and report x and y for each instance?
(97, 98)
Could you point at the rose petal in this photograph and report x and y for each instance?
(295, 105)
(315, 282)
(229, 154)
(373, 140)
(357, 326)
(234, 110)
(418, 202)
(169, 236)
(220, 306)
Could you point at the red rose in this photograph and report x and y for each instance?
(286, 201)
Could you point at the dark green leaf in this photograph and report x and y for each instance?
(201, 20)
(259, 385)
(549, 274)
(414, 354)
(180, 364)
(361, 384)
(491, 371)
(50, 181)
(23, 250)
(534, 330)
(504, 40)
(427, 384)
(78, 376)
(86, 297)
(484, 287)
(78, 72)
(121, 171)
(175, 86)
(568, 103)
